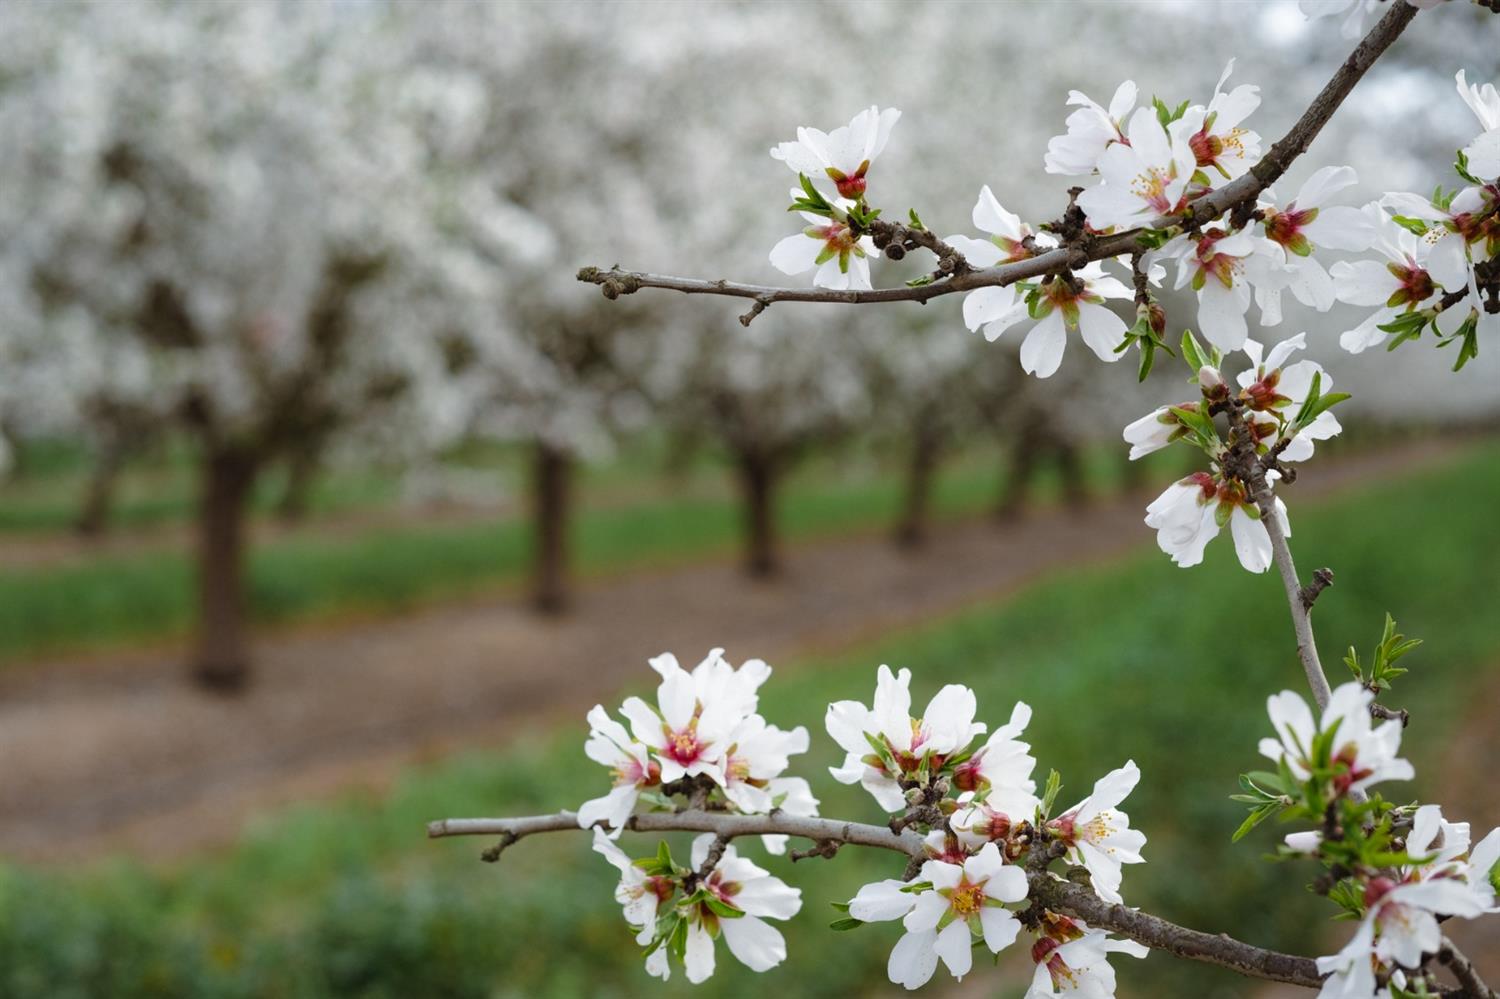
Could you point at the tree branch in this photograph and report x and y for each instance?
(1472, 986)
(1238, 196)
(1062, 897)
(1245, 464)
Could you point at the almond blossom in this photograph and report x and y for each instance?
(1192, 511)
(742, 887)
(1003, 761)
(1154, 431)
(695, 714)
(1470, 216)
(1099, 836)
(639, 894)
(1399, 284)
(884, 743)
(1305, 224)
(1072, 959)
(943, 911)
(1222, 268)
(1363, 754)
(842, 156)
(1214, 133)
(629, 762)
(1142, 178)
(758, 752)
(1483, 154)
(1481, 872)
(1274, 389)
(1399, 926)
(1091, 130)
(997, 307)
(829, 247)
(1074, 302)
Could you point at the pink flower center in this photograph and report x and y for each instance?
(1210, 261)
(1413, 284)
(1284, 227)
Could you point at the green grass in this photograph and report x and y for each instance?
(1134, 660)
(149, 596)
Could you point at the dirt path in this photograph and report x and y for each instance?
(122, 755)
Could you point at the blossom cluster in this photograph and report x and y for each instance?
(1397, 870)
(703, 741)
(702, 735)
(975, 804)
(1145, 166)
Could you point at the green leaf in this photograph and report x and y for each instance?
(1255, 818)
(847, 923)
(916, 220)
(1049, 795)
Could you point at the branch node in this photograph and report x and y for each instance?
(825, 848)
(1322, 579)
(493, 853)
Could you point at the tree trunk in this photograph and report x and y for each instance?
(552, 485)
(301, 474)
(1020, 469)
(912, 529)
(99, 497)
(757, 474)
(1074, 480)
(222, 659)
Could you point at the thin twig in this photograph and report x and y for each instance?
(1062, 897)
(1248, 467)
(1237, 194)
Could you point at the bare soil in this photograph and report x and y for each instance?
(121, 754)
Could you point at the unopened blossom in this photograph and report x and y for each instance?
(1098, 834)
(741, 885)
(1220, 145)
(1398, 284)
(964, 901)
(758, 752)
(1222, 268)
(1091, 130)
(1483, 154)
(1143, 178)
(842, 156)
(944, 728)
(639, 894)
(1274, 389)
(829, 247)
(1063, 304)
(689, 728)
(1072, 959)
(1353, 12)
(630, 764)
(1305, 224)
(997, 308)
(1364, 754)
(1399, 926)
(1192, 511)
